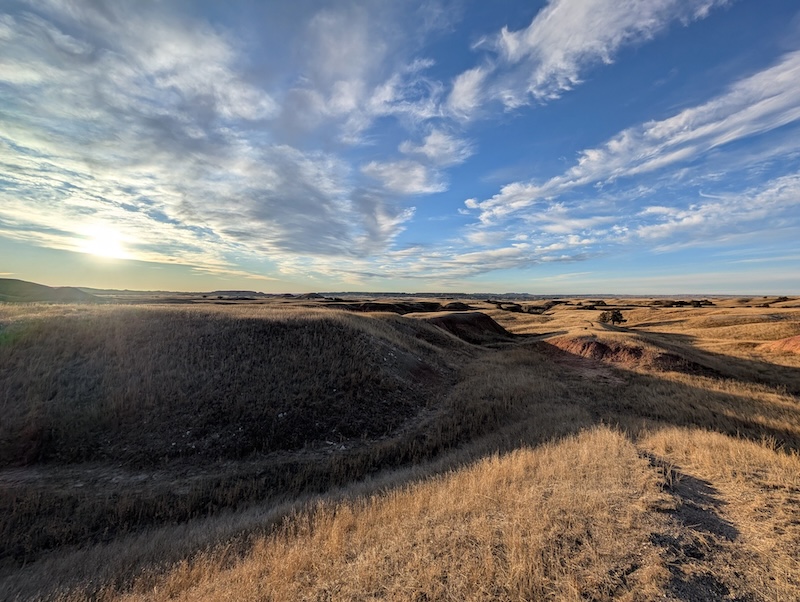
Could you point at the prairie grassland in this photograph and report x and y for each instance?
(264, 452)
(529, 524)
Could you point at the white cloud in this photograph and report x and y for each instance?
(169, 60)
(754, 212)
(766, 212)
(560, 220)
(345, 45)
(611, 222)
(547, 58)
(440, 149)
(404, 177)
(467, 95)
(486, 237)
(359, 69)
(143, 121)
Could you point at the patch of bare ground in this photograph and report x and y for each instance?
(627, 354)
(693, 542)
(787, 345)
(736, 528)
(586, 367)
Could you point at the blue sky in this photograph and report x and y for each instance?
(562, 146)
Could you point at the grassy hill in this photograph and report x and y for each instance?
(20, 291)
(285, 450)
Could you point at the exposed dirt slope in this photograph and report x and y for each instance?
(788, 345)
(628, 354)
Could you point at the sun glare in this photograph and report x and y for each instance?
(103, 241)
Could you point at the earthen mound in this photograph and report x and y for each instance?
(456, 306)
(788, 345)
(473, 327)
(629, 355)
(397, 308)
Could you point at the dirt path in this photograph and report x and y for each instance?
(722, 543)
(695, 545)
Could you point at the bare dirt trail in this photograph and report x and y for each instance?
(696, 545)
(729, 541)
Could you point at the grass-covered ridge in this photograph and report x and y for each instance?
(143, 385)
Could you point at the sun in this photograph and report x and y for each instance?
(102, 241)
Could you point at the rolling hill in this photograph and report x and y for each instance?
(21, 291)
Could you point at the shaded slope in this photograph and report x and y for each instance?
(167, 414)
(148, 385)
(398, 307)
(20, 291)
(473, 327)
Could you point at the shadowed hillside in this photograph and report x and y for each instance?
(145, 386)
(300, 400)
(20, 291)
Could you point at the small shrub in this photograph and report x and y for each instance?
(614, 317)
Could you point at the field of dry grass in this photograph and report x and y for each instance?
(286, 450)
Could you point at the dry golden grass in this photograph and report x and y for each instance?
(491, 473)
(532, 524)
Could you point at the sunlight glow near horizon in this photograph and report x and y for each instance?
(418, 146)
(103, 241)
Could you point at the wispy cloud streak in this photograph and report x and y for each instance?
(760, 103)
(548, 58)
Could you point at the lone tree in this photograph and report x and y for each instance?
(615, 317)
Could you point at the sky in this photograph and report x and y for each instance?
(551, 146)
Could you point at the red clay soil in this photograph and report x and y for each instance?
(627, 355)
(788, 345)
(473, 327)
